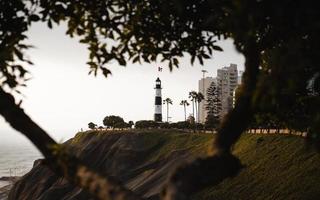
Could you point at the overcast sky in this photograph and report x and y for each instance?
(62, 98)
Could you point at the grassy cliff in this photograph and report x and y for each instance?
(277, 166)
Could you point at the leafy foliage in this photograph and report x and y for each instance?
(200, 97)
(150, 124)
(15, 18)
(92, 125)
(146, 124)
(141, 31)
(167, 101)
(113, 121)
(115, 30)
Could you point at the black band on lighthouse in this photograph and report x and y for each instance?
(157, 117)
(158, 101)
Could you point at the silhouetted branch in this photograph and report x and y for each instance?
(102, 187)
(238, 119)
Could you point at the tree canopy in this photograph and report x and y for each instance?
(113, 121)
(92, 125)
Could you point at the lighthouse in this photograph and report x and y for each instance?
(158, 102)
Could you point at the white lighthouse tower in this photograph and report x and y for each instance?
(158, 102)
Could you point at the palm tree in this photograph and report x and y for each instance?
(192, 97)
(199, 98)
(184, 103)
(167, 101)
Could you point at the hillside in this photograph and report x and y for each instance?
(277, 167)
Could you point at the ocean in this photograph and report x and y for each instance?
(17, 160)
(17, 155)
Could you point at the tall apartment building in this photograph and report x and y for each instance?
(204, 84)
(227, 81)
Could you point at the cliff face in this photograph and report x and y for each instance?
(277, 166)
(142, 161)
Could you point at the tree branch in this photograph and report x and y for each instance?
(238, 119)
(77, 172)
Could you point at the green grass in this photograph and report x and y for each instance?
(168, 142)
(161, 142)
(277, 166)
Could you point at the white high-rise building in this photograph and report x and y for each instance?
(227, 81)
(204, 84)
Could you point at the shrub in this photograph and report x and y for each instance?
(146, 124)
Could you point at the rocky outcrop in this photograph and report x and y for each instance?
(130, 157)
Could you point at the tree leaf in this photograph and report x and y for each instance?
(136, 59)
(217, 48)
(200, 59)
(176, 62)
(34, 18)
(205, 56)
(192, 59)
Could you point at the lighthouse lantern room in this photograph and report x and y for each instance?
(158, 102)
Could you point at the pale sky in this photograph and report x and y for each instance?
(62, 98)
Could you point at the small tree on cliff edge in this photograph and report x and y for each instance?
(113, 121)
(92, 125)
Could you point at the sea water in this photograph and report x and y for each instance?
(17, 159)
(17, 155)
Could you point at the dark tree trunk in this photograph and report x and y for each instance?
(239, 118)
